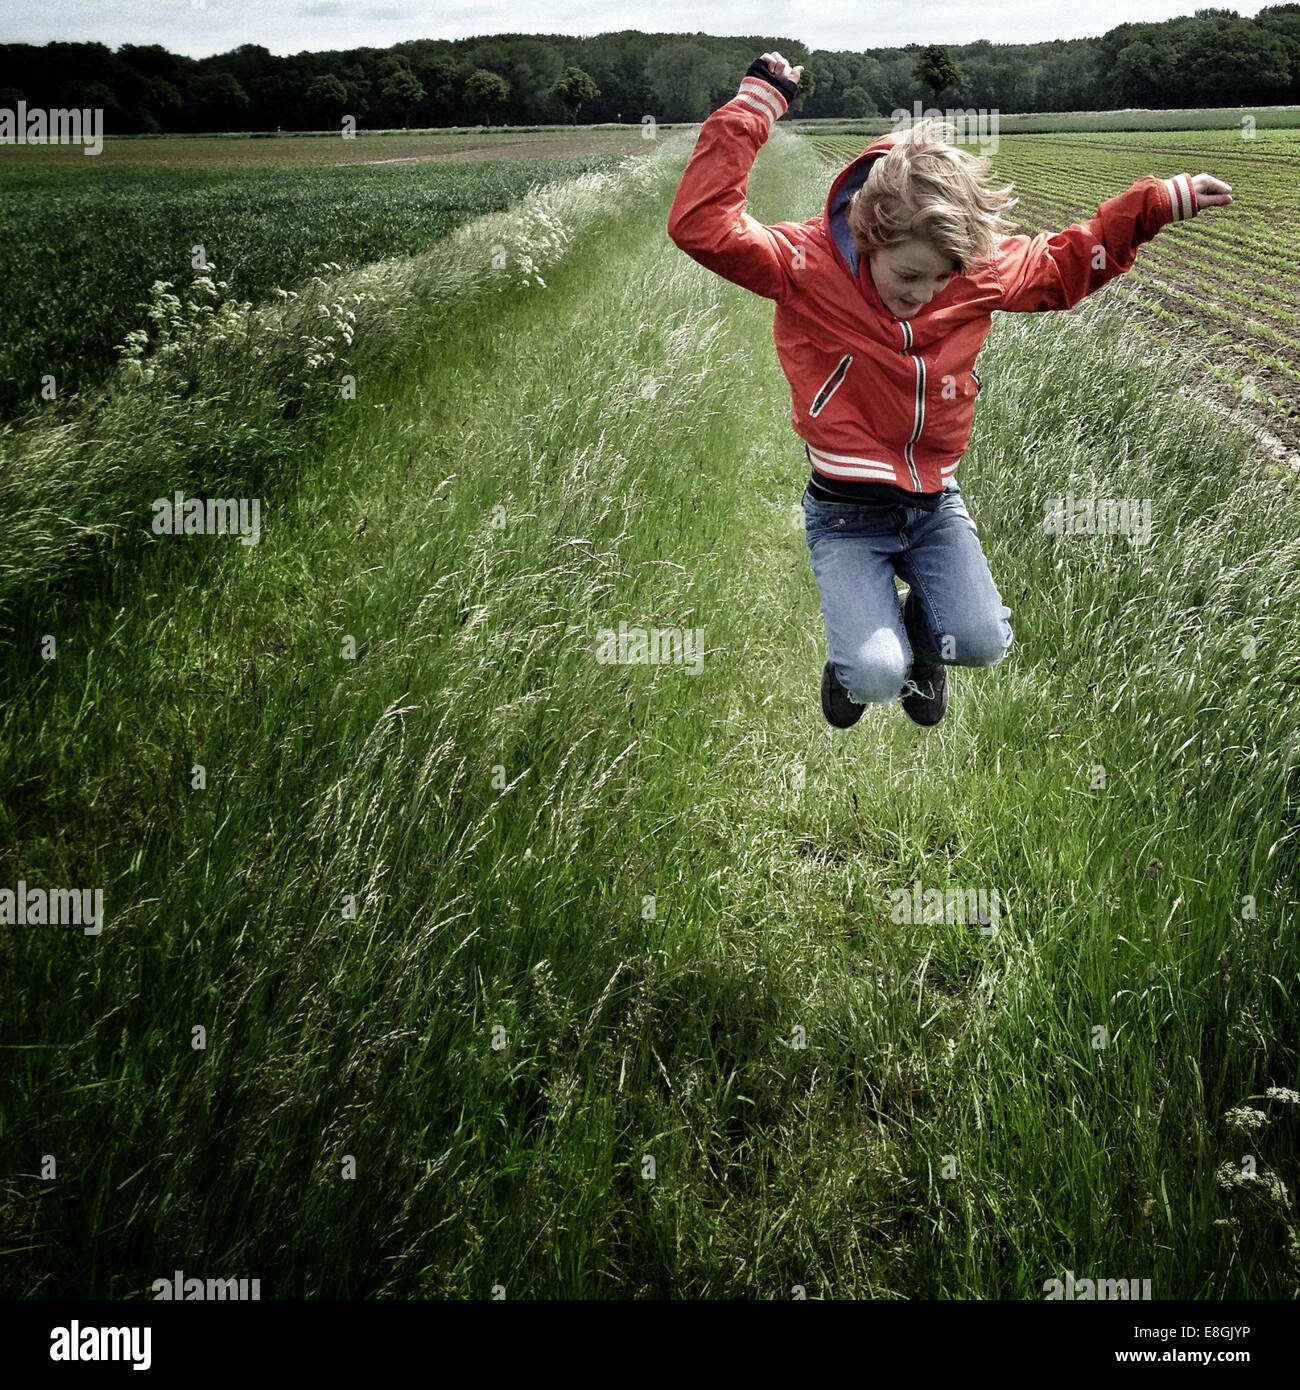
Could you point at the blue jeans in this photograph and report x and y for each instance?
(954, 613)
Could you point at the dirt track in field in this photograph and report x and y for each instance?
(512, 149)
(320, 151)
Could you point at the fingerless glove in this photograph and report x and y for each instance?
(788, 89)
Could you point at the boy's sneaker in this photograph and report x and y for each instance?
(836, 705)
(930, 704)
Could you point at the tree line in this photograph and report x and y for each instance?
(1213, 57)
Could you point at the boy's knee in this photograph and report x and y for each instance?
(985, 644)
(877, 671)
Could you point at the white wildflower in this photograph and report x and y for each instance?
(1245, 1119)
(1232, 1177)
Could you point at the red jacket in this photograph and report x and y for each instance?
(876, 398)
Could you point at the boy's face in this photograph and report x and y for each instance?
(909, 275)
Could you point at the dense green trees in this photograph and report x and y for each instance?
(486, 90)
(936, 69)
(574, 88)
(1209, 58)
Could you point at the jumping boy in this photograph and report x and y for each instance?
(883, 302)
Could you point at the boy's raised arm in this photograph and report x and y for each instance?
(1055, 270)
(708, 218)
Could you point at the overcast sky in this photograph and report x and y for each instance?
(203, 27)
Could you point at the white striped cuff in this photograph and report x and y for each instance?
(1181, 197)
(756, 94)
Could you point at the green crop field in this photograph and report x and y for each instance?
(1224, 287)
(84, 245)
(439, 955)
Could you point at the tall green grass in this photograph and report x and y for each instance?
(222, 395)
(649, 887)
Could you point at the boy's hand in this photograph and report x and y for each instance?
(1211, 192)
(782, 68)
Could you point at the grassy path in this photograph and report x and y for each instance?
(507, 958)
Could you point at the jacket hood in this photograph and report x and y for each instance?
(846, 184)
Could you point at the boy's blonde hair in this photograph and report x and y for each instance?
(929, 188)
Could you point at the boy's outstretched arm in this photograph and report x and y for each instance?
(708, 218)
(1055, 270)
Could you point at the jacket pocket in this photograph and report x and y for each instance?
(831, 384)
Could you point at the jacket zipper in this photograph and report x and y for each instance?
(918, 406)
(831, 385)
